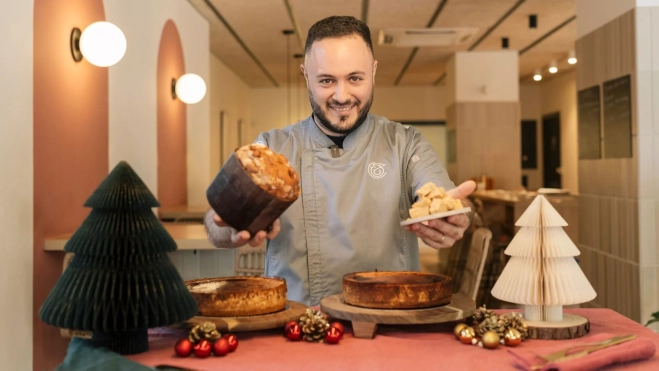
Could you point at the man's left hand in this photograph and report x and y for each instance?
(441, 233)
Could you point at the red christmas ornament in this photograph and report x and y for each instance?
(338, 326)
(333, 335)
(232, 340)
(294, 332)
(221, 347)
(288, 325)
(202, 349)
(183, 348)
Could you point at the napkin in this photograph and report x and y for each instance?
(633, 350)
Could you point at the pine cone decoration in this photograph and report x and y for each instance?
(205, 331)
(491, 323)
(482, 314)
(515, 320)
(314, 325)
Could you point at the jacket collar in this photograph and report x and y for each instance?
(352, 139)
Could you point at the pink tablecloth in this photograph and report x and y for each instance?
(413, 347)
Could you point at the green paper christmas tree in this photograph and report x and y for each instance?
(120, 281)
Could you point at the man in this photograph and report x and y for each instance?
(359, 173)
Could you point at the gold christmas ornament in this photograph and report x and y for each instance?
(459, 327)
(490, 340)
(466, 334)
(512, 338)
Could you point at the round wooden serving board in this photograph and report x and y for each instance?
(293, 311)
(365, 320)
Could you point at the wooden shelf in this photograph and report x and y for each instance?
(182, 212)
(187, 237)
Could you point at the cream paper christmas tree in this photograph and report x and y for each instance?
(542, 273)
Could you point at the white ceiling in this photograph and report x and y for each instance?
(259, 24)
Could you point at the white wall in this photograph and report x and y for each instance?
(545, 98)
(132, 96)
(16, 187)
(230, 94)
(530, 99)
(560, 95)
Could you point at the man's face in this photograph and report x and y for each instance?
(340, 75)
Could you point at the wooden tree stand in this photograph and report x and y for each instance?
(571, 327)
(365, 321)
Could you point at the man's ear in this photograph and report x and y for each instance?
(375, 67)
(304, 72)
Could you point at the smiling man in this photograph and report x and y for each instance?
(358, 171)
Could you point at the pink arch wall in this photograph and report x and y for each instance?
(70, 147)
(172, 135)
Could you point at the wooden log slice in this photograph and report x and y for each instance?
(396, 290)
(238, 296)
(571, 327)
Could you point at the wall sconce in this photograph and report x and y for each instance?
(553, 67)
(572, 57)
(537, 76)
(189, 88)
(101, 43)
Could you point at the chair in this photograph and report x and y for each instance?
(476, 257)
(250, 261)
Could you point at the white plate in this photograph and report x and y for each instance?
(435, 216)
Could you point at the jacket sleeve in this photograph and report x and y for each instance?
(423, 164)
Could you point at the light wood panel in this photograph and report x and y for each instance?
(487, 142)
(608, 188)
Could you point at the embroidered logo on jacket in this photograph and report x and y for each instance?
(376, 170)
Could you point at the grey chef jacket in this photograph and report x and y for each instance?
(347, 218)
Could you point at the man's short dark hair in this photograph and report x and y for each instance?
(338, 26)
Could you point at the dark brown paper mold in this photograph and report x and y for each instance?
(240, 202)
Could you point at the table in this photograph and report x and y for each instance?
(394, 348)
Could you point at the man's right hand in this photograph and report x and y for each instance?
(240, 238)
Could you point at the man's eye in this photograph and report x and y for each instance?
(355, 78)
(326, 81)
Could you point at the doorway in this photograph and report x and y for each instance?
(551, 151)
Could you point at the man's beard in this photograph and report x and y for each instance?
(327, 124)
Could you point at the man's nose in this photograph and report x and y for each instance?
(341, 94)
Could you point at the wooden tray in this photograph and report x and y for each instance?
(365, 321)
(293, 311)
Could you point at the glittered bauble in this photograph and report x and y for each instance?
(288, 325)
(221, 347)
(490, 340)
(459, 327)
(232, 340)
(338, 326)
(512, 338)
(333, 335)
(294, 332)
(202, 349)
(466, 334)
(183, 348)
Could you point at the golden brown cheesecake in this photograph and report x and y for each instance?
(238, 296)
(396, 290)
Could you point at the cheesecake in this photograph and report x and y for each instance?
(238, 296)
(396, 290)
